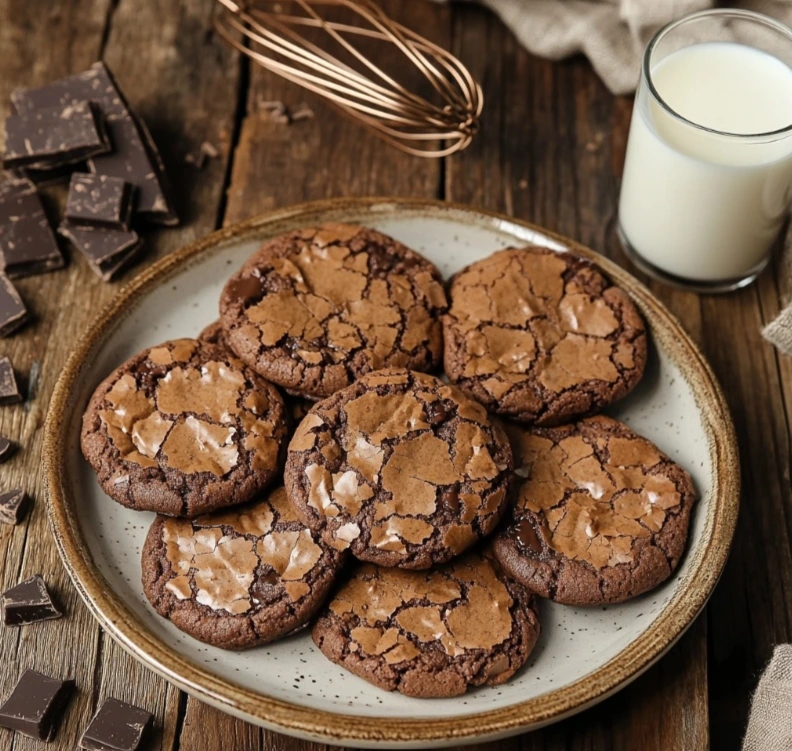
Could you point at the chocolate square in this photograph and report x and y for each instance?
(27, 243)
(134, 157)
(106, 250)
(28, 602)
(9, 390)
(54, 136)
(99, 200)
(13, 506)
(117, 726)
(36, 705)
(13, 312)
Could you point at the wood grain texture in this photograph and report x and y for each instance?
(550, 151)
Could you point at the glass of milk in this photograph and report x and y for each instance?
(708, 174)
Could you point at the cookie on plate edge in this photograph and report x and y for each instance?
(541, 337)
(601, 515)
(184, 428)
(430, 634)
(315, 309)
(238, 577)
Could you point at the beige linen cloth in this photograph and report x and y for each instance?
(611, 33)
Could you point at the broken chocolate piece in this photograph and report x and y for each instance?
(99, 200)
(12, 310)
(13, 506)
(55, 136)
(27, 243)
(36, 705)
(42, 178)
(117, 726)
(9, 391)
(28, 602)
(106, 250)
(134, 157)
(7, 449)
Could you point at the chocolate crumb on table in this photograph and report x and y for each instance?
(13, 312)
(9, 390)
(36, 705)
(107, 250)
(27, 243)
(13, 506)
(28, 602)
(134, 157)
(7, 449)
(99, 200)
(55, 136)
(117, 726)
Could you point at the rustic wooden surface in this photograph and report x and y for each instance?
(550, 151)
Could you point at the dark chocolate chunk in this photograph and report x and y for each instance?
(106, 250)
(12, 310)
(134, 157)
(27, 243)
(117, 726)
(99, 200)
(36, 705)
(7, 449)
(9, 390)
(55, 136)
(28, 602)
(42, 178)
(13, 506)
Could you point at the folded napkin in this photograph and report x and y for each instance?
(611, 33)
(770, 726)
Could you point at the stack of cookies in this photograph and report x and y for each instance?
(309, 463)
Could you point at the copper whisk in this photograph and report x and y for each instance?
(357, 84)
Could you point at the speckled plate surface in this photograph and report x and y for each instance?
(583, 656)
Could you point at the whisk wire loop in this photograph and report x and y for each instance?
(436, 126)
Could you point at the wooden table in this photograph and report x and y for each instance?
(551, 151)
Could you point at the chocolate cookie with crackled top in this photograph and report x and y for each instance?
(601, 516)
(315, 309)
(400, 468)
(430, 634)
(542, 337)
(239, 577)
(184, 428)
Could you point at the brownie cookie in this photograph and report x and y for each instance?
(602, 515)
(184, 428)
(542, 337)
(401, 468)
(430, 634)
(213, 334)
(316, 309)
(238, 577)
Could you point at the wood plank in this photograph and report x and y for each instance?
(277, 165)
(30, 58)
(550, 151)
(194, 101)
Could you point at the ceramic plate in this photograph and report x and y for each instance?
(584, 654)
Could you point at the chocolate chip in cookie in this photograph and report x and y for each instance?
(542, 337)
(602, 515)
(317, 308)
(401, 468)
(238, 577)
(431, 633)
(184, 428)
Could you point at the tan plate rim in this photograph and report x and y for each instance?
(113, 615)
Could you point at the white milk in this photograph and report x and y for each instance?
(701, 205)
